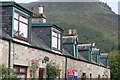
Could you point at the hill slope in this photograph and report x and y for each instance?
(94, 21)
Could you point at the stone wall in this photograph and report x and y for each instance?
(4, 52)
(23, 55)
(84, 67)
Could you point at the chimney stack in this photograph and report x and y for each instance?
(41, 8)
(72, 32)
(39, 17)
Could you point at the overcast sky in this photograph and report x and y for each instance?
(112, 3)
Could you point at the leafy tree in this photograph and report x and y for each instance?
(7, 73)
(52, 70)
(114, 59)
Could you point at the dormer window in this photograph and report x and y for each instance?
(50, 34)
(21, 26)
(56, 40)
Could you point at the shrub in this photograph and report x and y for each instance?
(7, 73)
(52, 70)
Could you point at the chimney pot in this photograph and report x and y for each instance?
(41, 8)
(72, 32)
(93, 44)
(32, 9)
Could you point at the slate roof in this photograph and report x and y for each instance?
(66, 52)
(69, 39)
(101, 64)
(103, 55)
(95, 51)
(36, 41)
(12, 3)
(47, 25)
(83, 50)
(81, 57)
(4, 34)
(84, 47)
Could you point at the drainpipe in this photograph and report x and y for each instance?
(10, 58)
(89, 55)
(66, 64)
(74, 54)
(76, 51)
(107, 62)
(30, 28)
(97, 58)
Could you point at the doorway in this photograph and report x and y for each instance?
(41, 73)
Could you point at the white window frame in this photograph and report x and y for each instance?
(56, 39)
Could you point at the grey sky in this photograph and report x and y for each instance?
(112, 3)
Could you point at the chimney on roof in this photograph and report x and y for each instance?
(41, 9)
(32, 9)
(70, 42)
(39, 17)
(72, 32)
(93, 45)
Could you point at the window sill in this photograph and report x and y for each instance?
(57, 51)
(24, 42)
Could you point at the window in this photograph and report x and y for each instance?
(56, 40)
(21, 26)
(21, 72)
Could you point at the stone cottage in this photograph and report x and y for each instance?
(26, 36)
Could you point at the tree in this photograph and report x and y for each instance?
(7, 73)
(114, 60)
(52, 70)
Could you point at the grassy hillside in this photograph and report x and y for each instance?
(94, 21)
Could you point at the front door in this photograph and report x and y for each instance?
(41, 73)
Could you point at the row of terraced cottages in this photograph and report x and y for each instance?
(26, 36)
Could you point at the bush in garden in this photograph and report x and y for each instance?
(7, 73)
